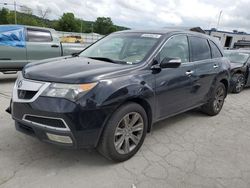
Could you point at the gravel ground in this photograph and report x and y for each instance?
(188, 150)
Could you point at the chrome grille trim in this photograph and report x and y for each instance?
(28, 85)
(46, 126)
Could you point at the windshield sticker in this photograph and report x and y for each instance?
(151, 35)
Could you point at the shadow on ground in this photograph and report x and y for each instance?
(45, 154)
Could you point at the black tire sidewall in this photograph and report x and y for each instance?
(235, 79)
(215, 90)
(208, 108)
(108, 134)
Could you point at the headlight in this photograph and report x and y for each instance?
(68, 91)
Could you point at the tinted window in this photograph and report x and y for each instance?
(38, 35)
(215, 50)
(199, 48)
(176, 47)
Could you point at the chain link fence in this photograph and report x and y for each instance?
(83, 38)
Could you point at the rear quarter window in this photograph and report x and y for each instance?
(34, 35)
(216, 53)
(200, 49)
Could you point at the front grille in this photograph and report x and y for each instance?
(28, 90)
(57, 123)
(23, 94)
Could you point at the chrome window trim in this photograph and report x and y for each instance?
(47, 126)
(177, 35)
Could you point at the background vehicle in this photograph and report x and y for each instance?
(240, 66)
(109, 99)
(20, 45)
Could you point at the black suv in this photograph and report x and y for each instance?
(109, 95)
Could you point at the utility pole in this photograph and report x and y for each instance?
(92, 30)
(15, 12)
(81, 26)
(218, 23)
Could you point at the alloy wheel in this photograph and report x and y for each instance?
(128, 133)
(219, 99)
(239, 84)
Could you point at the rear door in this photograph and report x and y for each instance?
(41, 45)
(207, 66)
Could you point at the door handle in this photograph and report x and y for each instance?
(54, 46)
(216, 66)
(189, 73)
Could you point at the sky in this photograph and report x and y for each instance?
(148, 14)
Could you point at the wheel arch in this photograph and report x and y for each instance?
(226, 84)
(142, 102)
(146, 106)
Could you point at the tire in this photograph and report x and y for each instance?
(215, 104)
(126, 127)
(238, 83)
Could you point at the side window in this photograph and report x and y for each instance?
(215, 50)
(176, 47)
(199, 48)
(34, 35)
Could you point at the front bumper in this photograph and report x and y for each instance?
(84, 127)
(58, 120)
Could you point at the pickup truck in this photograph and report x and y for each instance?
(21, 44)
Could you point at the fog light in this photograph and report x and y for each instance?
(59, 138)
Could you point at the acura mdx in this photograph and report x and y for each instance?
(109, 95)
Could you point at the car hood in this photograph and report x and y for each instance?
(73, 70)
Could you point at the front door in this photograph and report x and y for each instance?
(174, 86)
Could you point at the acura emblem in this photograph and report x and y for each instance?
(20, 83)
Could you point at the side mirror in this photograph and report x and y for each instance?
(170, 63)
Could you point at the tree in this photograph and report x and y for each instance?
(104, 26)
(43, 12)
(4, 16)
(68, 23)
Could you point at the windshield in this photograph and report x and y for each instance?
(236, 57)
(129, 48)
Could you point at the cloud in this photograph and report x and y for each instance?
(153, 13)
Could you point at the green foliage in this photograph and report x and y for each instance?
(104, 26)
(24, 19)
(67, 22)
(4, 16)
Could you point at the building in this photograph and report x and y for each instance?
(230, 40)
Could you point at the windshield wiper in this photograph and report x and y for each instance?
(108, 60)
(76, 54)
